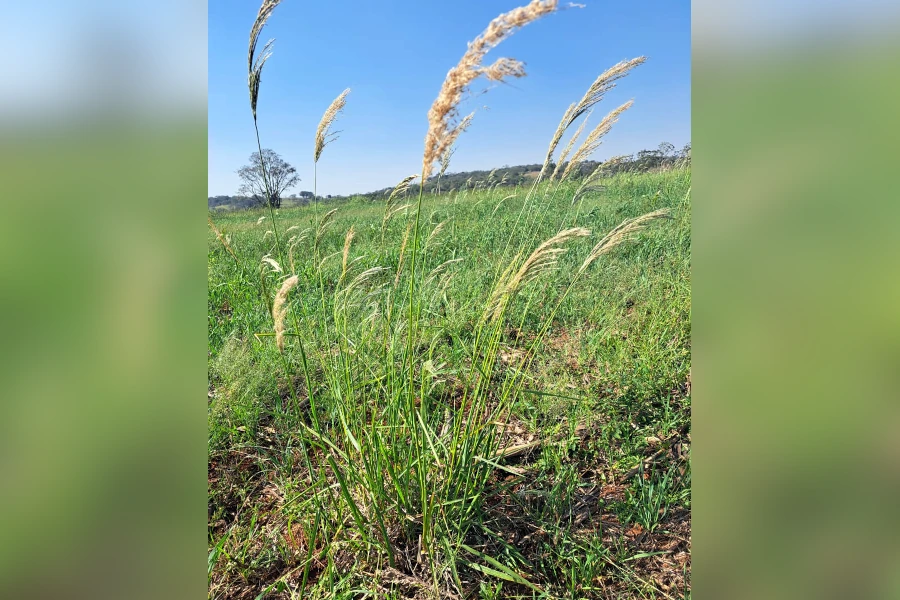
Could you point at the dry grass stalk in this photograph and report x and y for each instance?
(621, 234)
(256, 61)
(260, 220)
(442, 127)
(324, 135)
(594, 139)
(605, 82)
(279, 309)
(565, 153)
(542, 259)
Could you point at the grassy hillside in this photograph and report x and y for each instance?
(408, 442)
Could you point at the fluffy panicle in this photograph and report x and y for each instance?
(543, 258)
(594, 139)
(605, 82)
(623, 233)
(271, 262)
(442, 126)
(347, 241)
(389, 208)
(400, 188)
(279, 309)
(324, 135)
(256, 61)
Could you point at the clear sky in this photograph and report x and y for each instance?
(394, 56)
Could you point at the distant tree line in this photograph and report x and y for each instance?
(663, 157)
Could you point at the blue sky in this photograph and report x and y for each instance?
(394, 57)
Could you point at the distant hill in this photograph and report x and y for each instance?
(505, 176)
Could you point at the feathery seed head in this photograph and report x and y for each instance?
(271, 262)
(279, 309)
(442, 127)
(594, 139)
(605, 82)
(543, 258)
(621, 234)
(347, 241)
(324, 135)
(256, 61)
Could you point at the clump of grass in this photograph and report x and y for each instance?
(391, 454)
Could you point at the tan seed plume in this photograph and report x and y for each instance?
(272, 263)
(543, 258)
(605, 82)
(324, 135)
(621, 234)
(442, 126)
(256, 61)
(347, 241)
(594, 139)
(279, 309)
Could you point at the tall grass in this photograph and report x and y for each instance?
(395, 463)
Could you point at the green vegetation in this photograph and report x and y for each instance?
(449, 395)
(353, 488)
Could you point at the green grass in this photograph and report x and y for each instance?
(363, 461)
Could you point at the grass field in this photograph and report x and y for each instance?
(409, 442)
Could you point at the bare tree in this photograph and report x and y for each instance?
(267, 179)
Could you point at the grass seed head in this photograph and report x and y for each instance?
(443, 129)
(605, 82)
(542, 259)
(255, 62)
(347, 241)
(324, 135)
(621, 234)
(279, 309)
(594, 139)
